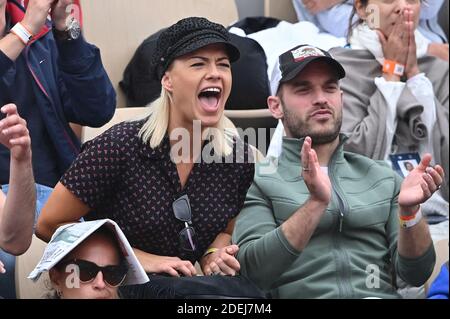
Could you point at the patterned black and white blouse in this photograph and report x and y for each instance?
(121, 178)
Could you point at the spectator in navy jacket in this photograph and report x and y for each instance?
(54, 77)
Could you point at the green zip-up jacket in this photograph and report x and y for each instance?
(353, 251)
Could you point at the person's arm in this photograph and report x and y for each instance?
(439, 50)
(372, 108)
(370, 104)
(384, 102)
(261, 239)
(418, 186)
(416, 256)
(86, 91)
(299, 228)
(62, 207)
(72, 197)
(220, 257)
(17, 210)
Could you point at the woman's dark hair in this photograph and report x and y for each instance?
(352, 25)
(408, 165)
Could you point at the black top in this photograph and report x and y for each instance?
(121, 178)
(16, 87)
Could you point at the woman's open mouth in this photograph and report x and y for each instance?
(209, 98)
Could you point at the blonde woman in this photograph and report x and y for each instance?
(175, 201)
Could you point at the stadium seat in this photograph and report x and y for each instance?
(117, 27)
(121, 114)
(134, 113)
(26, 288)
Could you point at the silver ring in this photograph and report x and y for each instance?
(306, 169)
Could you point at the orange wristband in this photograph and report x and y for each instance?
(410, 221)
(392, 67)
(411, 215)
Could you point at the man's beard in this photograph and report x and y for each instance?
(301, 129)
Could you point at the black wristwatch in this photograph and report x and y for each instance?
(72, 32)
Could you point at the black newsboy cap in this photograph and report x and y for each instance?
(186, 36)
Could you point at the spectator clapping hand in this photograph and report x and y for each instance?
(420, 184)
(316, 180)
(396, 44)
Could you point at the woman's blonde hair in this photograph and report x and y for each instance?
(156, 126)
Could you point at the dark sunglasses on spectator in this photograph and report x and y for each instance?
(182, 211)
(113, 275)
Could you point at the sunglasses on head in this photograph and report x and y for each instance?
(182, 211)
(113, 275)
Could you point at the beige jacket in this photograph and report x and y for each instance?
(365, 109)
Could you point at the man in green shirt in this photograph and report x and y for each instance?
(324, 223)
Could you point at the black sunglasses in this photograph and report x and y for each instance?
(113, 275)
(182, 211)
